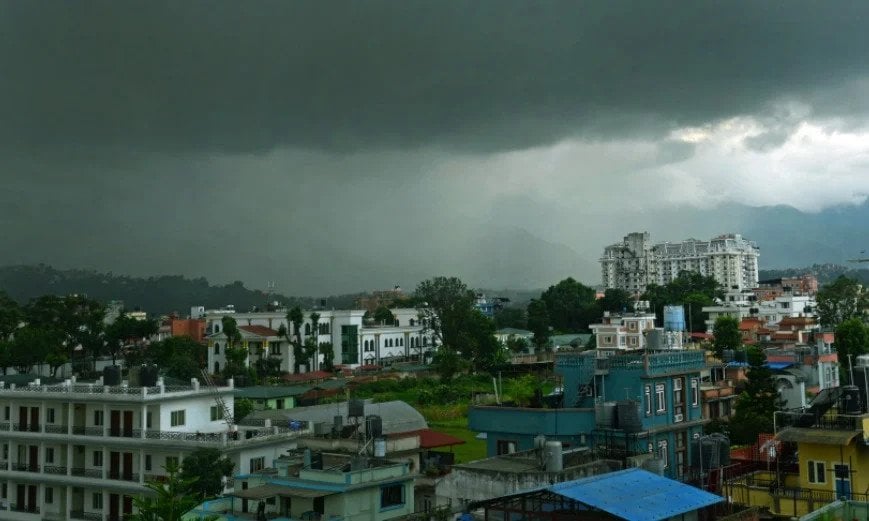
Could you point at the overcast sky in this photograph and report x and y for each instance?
(339, 146)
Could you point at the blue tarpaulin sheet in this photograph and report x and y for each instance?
(636, 495)
(779, 365)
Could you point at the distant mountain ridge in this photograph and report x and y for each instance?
(155, 295)
(825, 273)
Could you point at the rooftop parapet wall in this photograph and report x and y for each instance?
(651, 364)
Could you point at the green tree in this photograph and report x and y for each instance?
(204, 468)
(382, 315)
(615, 300)
(727, 336)
(241, 408)
(125, 331)
(445, 304)
(180, 357)
(689, 289)
(327, 350)
(570, 304)
(840, 300)
(231, 331)
(31, 346)
(511, 317)
(448, 363)
(852, 339)
(538, 323)
(296, 318)
(757, 403)
(315, 332)
(167, 500)
(11, 316)
(517, 344)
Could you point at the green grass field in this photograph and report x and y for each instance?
(472, 449)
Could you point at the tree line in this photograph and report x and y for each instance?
(56, 330)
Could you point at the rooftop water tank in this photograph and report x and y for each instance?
(356, 408)
(674, 318)
(380, 448)
(148, 375)
(604, 414)
(553, 457)
(373, 426)
(629, 417)
(111, 375)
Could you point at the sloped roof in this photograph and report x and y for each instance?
(259, 330)
(636, 494)
(265, 392)
(817, 436)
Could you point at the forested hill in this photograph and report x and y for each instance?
(156, 295)
(824, 272)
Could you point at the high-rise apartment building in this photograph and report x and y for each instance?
(635, 262)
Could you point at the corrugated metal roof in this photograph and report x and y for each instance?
(397, 416)
(636, 495)
(818, 436)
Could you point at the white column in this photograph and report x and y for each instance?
(70, 417)
(105, 419)
(105, 511)
(142, 466)
(144, 420)
(43, 415)
(68, 509)
(40, 500)
(69, 458)
(105, 465)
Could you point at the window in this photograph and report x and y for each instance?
(216, 348)
(391, 496)
(695, 392)
(505, 447)
(49, 455)
(216, 413)
(817, 472)
(148, 420)
(633, 340)
(98, 418)
(177, 418)
(171, 462)
(648, 394)
(257, 464)
(49, 495)
(98, 458)
(147, 462)
(659, 398)
(49, 415)
(663, 453)
(308, 329)
(6, 413)
(97, 501)
(401, 342)
(275, 348)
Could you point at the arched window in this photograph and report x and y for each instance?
(216, 348)
(397, 322)
(411, 323)
(401, 342)
(216, 367)
(307, 329)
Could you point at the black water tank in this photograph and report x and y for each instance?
(373, 426)
(111, 375)
(356, 408)
(148, 375)
(629, 416)
(851, 403)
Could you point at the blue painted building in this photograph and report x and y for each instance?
(625, 404)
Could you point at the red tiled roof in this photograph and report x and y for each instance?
(259, 330)
(705, 336)
(429, 439)
(306, 377)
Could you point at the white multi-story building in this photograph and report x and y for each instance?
(78, 451)
(354, 342)
(635, 262)
(740, 305)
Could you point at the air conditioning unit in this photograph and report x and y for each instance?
(677, 418)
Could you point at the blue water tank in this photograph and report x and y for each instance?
(674, 318)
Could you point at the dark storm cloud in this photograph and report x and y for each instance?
(481, 75)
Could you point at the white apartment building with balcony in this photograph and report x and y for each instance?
(635, 262)
(77, 451)
(354, 342)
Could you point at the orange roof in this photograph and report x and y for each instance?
(306, 377)
(259, 330)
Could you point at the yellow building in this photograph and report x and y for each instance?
(832, 463)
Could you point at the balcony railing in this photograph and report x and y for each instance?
(25, 467)
(54, 469)
(87, 473)
(32, 509)
(85, 516)
(839, 422)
